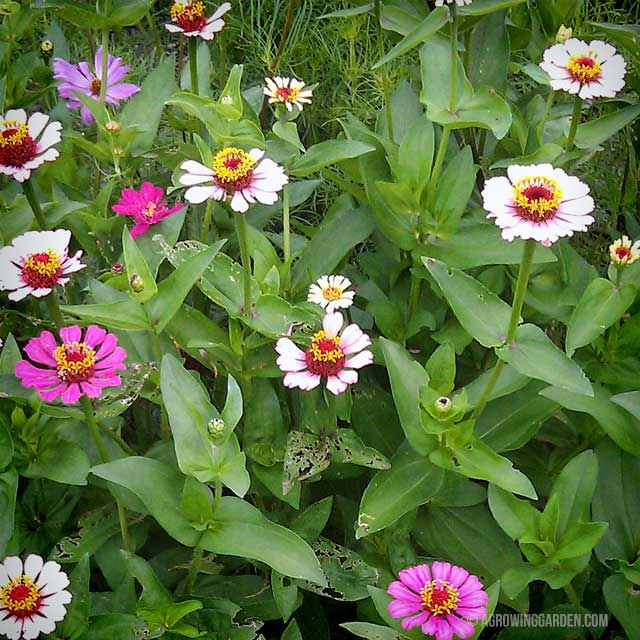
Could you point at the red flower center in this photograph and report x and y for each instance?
(21, 597)
(233, 169)
(284, 93)
(623, 253)
(324, 356)
(75, 361)
(439, 597)
(584, 69)
(190, 17)
(42, 270)
(332, 293)
(17, 147)
(537, 198)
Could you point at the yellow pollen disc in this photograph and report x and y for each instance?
(287, 94)
(332, 293)
(48, 269)
(537, 198)
(149, 211)
(584, 68)
(232, 164)
(439, 597)
(189, 11)
(20, 596)
(12, 133)
(74, 361)
(323, 354)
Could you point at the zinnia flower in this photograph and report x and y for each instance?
(326, 357)
(460, 3)
(623, 252)
(37, 261)
(591, 70)
(32, 597)
(78, 77)
(287, 92)
(190, 19)
(331, 294)
(441, 600)
(146, 207)
(243, 176)
(76, 367)
(26, 144)
(538, 202)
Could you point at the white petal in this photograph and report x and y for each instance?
(37, 122)
(239, 203)
(331, 323)
(11, 628)
(33, 565)
(363, 359)
(336, 386)
(199, 169)
(13, 565)
(197, 195)
(19, 115)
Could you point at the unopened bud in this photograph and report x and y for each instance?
(226, 100)
(18, 417)
(118, 151)
(216, 427)
(564, 33)
(443, 405)
(136, 283)
(113, 126)
(117, 268)
(46, 47)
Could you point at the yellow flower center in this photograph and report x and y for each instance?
(537, 198)
(233, 168)
(287, 94)
(17, 147)
(74, 361)
(584, 68)
(42, 270)
(149, 210)
(332, 293)
(21, 596)
(439, 597)
(13, 133)
(189, 16)
(324, 356)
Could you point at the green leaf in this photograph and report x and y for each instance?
(381, 600)
(325, 153)
(622, 601)
(482, 7)
(601, 305)
(371, 631)
(517, 518)
(592, 134)
(311, 522)
(76, 622)
(579, 540)
(349, 13)
(415, 155)
(533, 354)
(441, 368)
(454, 189)
(482, 313)
(230, 103)
(137, 267)
(407, 377)
(128, 315)
(6, 444)
(412, 481)
(348, 448)
(288, 131)
(292, 632)
(490, 52)
(8, 492)
(287, 596)
(622, 427)
(428, 27)
(59, 460)
(306, 456)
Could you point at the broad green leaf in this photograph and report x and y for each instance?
(482, 313)
(230, 103)
(579, 540)
(415, 155)
(592, 134)
(123, 314)
(517, 518)
(441, 368)
(626, 35)
(76, 622)
(137, 268)
(292, 632)
(490, 52)
(533, 354)
(601, 305)
(287, 596)
(273, 316)
(328, 152)
(59, 460)
(164, 233)
(312, 521)
(371, 631)
(8, 492)
(411, 482)
(482, 7)
(288, 131)
(622, 601)
(349, 13)
(306, 456)
(454, 189)
(407, 377)
(621, 426)
(6, 443)
(348, 448)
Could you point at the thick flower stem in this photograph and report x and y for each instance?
(241, 227)
(105, 65)
(573, 598)
(206, 223)
(193, 65)
(157, 350)
(385, 77)
(454, 58)
(516, 310)
(194, 569)
(575, 121)
(90, 418)
(547, 111)
(54, 310)
(29, 192)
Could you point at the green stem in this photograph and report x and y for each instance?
(218, 494)
(206, 224)
(29, 192)
(105, 61)
(414, 295)
(241, 227)
(286, 227)
(222, 43)
(437, 167)
(193, 64)
(90, 417)
(156, 34)
(516, 310)
(194, 569)
(573, 598)
(385, 77)
(547, 111)
(164, 418)
(575, 121)
(54, 310)
(454, 57)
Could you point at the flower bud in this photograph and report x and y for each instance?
(443, 405)
(46, 48)
(118, 151)
(564, 33)
(18, 417)
(136, 283)
(113, 127)
(216, 428)
(117, 268)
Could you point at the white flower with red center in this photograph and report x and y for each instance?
(32, 597)
(538, 202)
(591, 70)
(332, 354)
(287, 92)
(623, 252)
(37, 261)
(26, 144)
(244, 177)
(460, 3)
(330, 292)
(189, 18)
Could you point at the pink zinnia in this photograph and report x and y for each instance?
(440, 600)
(76, 367)
(79, 77)
(326, 357)
(146, 207)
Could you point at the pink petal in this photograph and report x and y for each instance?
(71, 334)
(402, 608)
(398, 590)
(461, 628)
(71, 395)
(94, 335)
(415, 577)
(415, 621)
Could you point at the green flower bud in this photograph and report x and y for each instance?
(443, 405)
(136, 283)
(216, 428)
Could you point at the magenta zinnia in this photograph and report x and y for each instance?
(32, 597)
(538, 202)
(440, 599)
(74, 368)
(146, 207)
(332, 354)
(81, 78)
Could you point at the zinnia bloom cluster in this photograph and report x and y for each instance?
(189, 18)
(244, 177)
(287, 92)
(76, 367)
(146, 207)
(26, 144)
(441, 600)
(332, 354)
(591, 70)
(538, 202)
(330, 292)
(79, 77)
(37, 261)
(32, 597)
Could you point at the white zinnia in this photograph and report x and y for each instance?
(330, 292)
